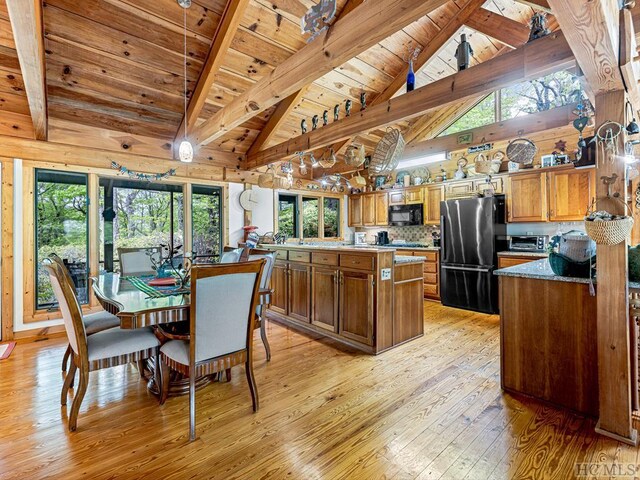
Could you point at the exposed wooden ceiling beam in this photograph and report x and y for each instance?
(533, 60)
(288, 104)
(26, 22)
(515, 127)
(541, 5)
(229, 21)
(368, 24)
(503, 29)
(433, 47)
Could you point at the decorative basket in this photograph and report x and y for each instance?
(354, 156)
(522, 150)
(388, 152)
(609, 232)
(265, 180)
(484, 166)
(565, 267)
(328, 159)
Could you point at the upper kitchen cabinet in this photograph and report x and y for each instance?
(397, 197)
(355, 210)
(570, 194)
(433, 195)
(527, 197)
(368, 210)
(382, 209)
(414, 196)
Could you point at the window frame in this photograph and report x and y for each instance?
(220, 192)
(299, 213)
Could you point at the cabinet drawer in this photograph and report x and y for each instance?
(431, 278)
(281, 254)
(325, 258)
(356, 261)
(300, 256)
(430, 256)
(430, 267)
(431, 290)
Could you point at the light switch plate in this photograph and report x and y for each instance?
(385, 274)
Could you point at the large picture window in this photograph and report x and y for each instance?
(138, 214)
(62, 228)
(206, 216)
(304, 216)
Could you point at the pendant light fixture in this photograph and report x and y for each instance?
(185, 151)
(632, 128)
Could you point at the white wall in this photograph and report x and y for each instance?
(262, 215)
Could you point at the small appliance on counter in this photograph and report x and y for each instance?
(382, 238)
(436, 239)
(360, 238)
(405, 215)
(528, 243)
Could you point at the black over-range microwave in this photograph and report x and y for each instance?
(405, 215)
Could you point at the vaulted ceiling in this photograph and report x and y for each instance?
(117, 66)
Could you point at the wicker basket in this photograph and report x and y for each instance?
(484, 166)
(265, 180)
(610, 232)
(387, 153)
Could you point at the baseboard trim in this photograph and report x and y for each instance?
(629, 441)
(39, 334)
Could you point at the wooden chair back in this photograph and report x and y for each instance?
(265, 281)
(63, 268)
(223, 305)
(69, 307)
(230, 255)
(137, 261)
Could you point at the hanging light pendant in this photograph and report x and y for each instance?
(632, 128)
(185, 151)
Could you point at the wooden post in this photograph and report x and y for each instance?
(614, 361)
(6, 318)
(93, 192)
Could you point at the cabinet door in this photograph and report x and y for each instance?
(355, 211)
(324, 300)
(396, 198)
(382, 209)
(299, 292)
(433, 197)
(527, 198)
(356, 306)
(279, 285)
(570, 193)
(414, 195)
(368, 210)
(482, 185)
(458, 188)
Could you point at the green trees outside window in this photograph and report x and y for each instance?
(206, 217)
(302, 216)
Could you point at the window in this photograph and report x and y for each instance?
(554, 90)
(310, 217)
(138, 214)
(61, 228)
(288, 215)
(320, 216)
(206, 218)
(331, 217)
(484, 113)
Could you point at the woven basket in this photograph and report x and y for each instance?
(610, 232)
(387, 153)
(265, 180)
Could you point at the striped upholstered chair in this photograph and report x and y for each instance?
(221, 322)
(93, 323)
(108, 348)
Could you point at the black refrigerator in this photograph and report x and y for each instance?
(473, 231)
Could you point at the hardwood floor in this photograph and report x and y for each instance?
(432, 408)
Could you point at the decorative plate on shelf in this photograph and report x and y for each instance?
(420, 172)
(400, 176)
(522, 151)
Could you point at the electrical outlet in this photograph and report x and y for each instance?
(385, 274)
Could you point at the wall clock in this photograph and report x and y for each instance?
(248, 200)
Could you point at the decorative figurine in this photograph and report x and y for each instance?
(539, 27)
(303, 126)
(464, 53)
(323, 12)
(347, 108)
(336, 113)
(363, 100)
(325, 118)
(314, 122)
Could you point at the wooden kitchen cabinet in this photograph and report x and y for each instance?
(299, 285)
(368, 210)
(356, 306)
(324, 298)
(355, 210)
(459, 188)
(414, 196)
(482, 185)
(433, 195)
(505, 261)
(527, 197)
(279, 284)
(396, 197)
(382, 209)
(570, 194)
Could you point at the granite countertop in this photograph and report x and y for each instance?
(401, 247)
(359, 248)
(541, 270)
(511, 253)
(400, 259)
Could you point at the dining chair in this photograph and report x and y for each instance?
(265, 294)
(105, 349)
(137, 261)
(221, 324)
(231, 255)
(94, 322)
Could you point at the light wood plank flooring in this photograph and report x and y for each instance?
(432, 408)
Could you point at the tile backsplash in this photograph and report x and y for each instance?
(414, 234)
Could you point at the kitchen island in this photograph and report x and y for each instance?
(366, 297)
(548, 336)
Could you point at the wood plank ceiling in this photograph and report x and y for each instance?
(116, 65)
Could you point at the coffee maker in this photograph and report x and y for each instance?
(382, 238)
